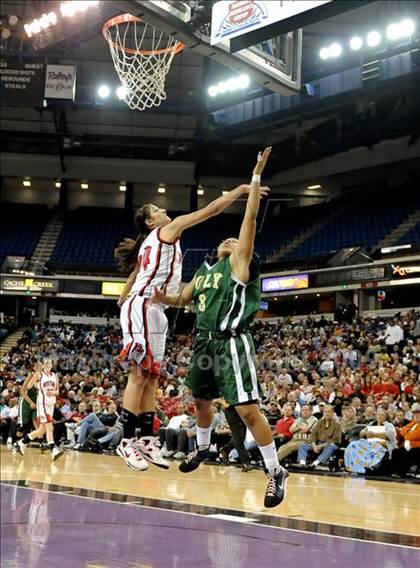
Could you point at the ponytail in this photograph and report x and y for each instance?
(127, 251)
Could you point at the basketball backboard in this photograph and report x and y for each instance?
(274, 63)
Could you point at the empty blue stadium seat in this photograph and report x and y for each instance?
(21, 227)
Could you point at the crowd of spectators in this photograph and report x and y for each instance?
(341, 395)
(7, 325)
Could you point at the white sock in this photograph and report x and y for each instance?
(203, 437)
(269, 454)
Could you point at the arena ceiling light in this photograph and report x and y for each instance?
(121, 92)
(213, 91)
(231, 85)
(400, 30)
(57, 183)
(225, 192)
(103, 91)
(123, 186)
(373, 38)
(39, 24)
(161, 188)
(324, 53)
(200, 190)
(334, 50)
(27, 182)
(70, 9)
(84, 185)
(356, 43)
(315, 186)
(407, 28)
(47, 20)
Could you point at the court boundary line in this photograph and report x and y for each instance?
(14, 483)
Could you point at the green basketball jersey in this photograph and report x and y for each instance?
(222, 301)
(33, 393)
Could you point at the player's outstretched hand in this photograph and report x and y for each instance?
(264, 190)
(158, 297)
(262, 160)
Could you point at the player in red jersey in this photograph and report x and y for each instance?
(154, 259)
(48, 386)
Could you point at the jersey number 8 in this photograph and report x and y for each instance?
(202, 302)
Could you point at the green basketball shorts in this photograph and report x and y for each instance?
(26, 414)
(224, 367)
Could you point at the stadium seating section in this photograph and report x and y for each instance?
(89, 235)
(362, 224)
(21, 227)
(412, 236)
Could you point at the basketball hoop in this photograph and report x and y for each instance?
(142, 56)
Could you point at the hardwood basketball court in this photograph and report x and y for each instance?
(382, 515)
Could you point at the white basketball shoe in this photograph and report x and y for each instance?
(147, 446)
(129, 451)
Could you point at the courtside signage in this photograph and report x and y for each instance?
(283, 283)
(30, 284)
(60, 82)
(112, 288)
(233, 18)
(404, 270)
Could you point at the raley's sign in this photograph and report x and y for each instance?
(404, 270)
(31, 284)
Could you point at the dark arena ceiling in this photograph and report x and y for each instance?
(187, 126)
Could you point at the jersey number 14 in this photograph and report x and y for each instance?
(144, 260)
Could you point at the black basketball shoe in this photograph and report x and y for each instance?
(276, 488)
(193, 460)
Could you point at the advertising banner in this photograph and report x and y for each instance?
(60, 82)
(283, 283)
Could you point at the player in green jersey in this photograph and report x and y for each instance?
(27, 403)
(226, 296)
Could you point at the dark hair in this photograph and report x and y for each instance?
(126, 252)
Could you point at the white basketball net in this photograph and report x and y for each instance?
(142, 72)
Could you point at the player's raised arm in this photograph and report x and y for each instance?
(179, 301)
(174, 229)
(242, 254)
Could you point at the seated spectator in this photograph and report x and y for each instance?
(74, 421)
(350, 426)
(109, 441)
(96, 422)
(408, 454)
(169, 435)
(273, 413)
(325, 439)
(301, 431)
(400, 420)
(282, 433)
(8, 417)
(368, 454)
(368, 416)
